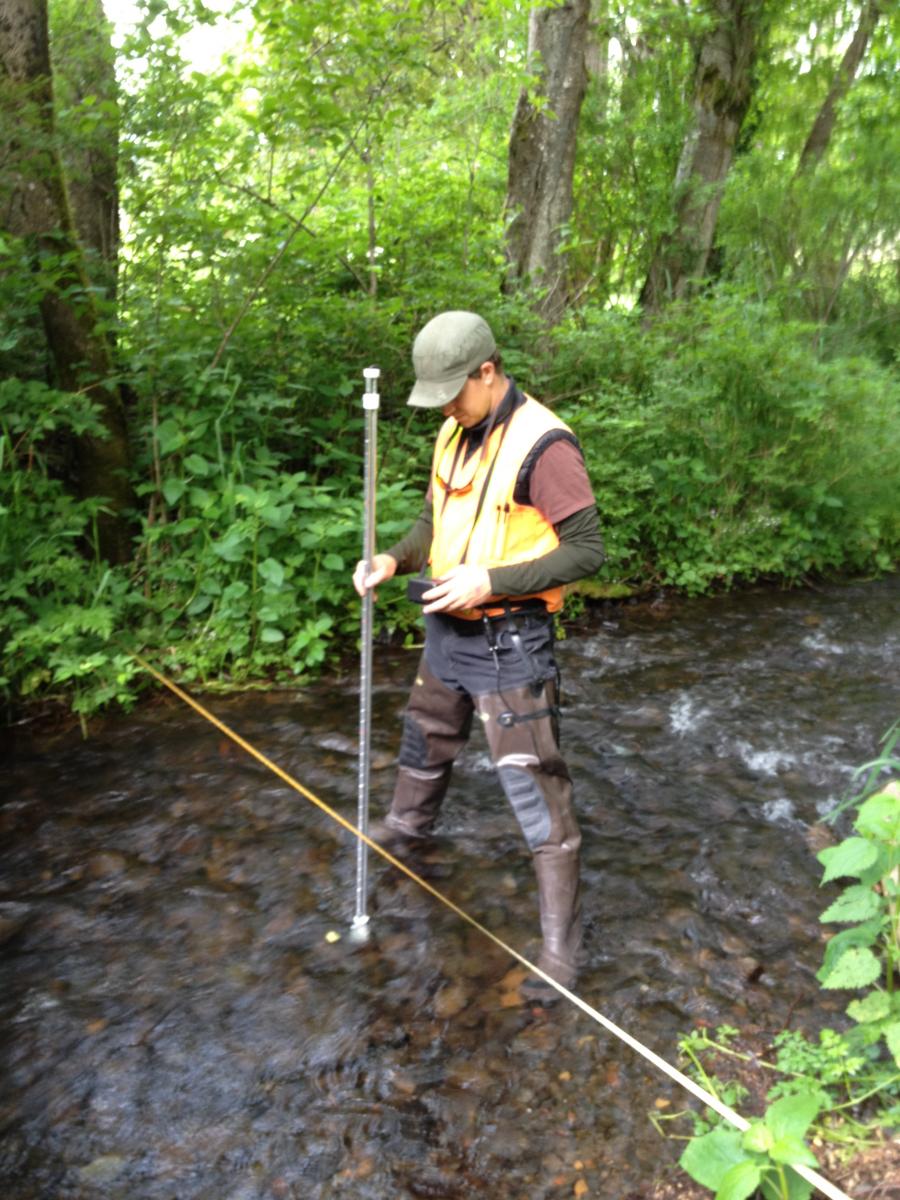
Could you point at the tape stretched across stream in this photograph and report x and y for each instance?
(823, 1185)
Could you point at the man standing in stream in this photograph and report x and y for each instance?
(509, 519)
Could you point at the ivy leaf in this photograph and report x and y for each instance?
(740, 1181)
(708, 1159)
(856, 903)
(856, 968)
(851, 857)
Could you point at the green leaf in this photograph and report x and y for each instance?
(798, 1189)
(740, 1181)
(231, 547)
(199, 603)
(791, 1116)
(874, 1007)
(791, 1151)
(892, 1037)
(198, 465)
(272, 571)
(851, 857)
(855, 903)
(173, 490)
(879, 816)
(169, 437)
(856, 968)
(709, 1158)
(271, 634)
(333, 562)
(758, 1137)
(866, 934)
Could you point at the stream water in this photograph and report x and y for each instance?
(180, 1023)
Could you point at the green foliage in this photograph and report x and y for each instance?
(735, 1164)
(867, 955)
(59, 609)
(831, 1084)
(297, 211)
(248, 560)
(723, 448)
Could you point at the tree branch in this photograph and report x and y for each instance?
(279, 254)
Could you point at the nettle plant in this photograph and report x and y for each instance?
(856, 1063)
(866, 955)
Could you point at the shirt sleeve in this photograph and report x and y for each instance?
(558, 485)
(579, 554)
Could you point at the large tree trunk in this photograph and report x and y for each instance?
(542, 152)
(823, 126)
(723, 88)
(84, 66)
(34, 205)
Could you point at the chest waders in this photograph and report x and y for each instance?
(458, 676)
(501, 667)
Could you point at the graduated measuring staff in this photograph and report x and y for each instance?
(509, 519)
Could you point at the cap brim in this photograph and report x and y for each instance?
(428, 393)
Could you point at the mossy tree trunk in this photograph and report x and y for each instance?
(542, 152)
(35, 206)
(723, 89)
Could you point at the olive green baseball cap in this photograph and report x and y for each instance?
(449, 347)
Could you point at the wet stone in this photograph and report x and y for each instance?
(103, 1169)
(13, 917)
(106, 864)
(451, 999)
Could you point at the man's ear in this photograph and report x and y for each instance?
(488, 373)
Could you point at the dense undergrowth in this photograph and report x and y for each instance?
(725, 445)
(839, 1090)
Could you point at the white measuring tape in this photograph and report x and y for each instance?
(821, 1184)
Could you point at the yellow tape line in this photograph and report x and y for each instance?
(823, 1185)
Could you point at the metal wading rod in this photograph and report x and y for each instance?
(824, 1186)
(370, 409)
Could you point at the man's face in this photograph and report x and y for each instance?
(470, 406)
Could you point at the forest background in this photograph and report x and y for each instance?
(680, 217)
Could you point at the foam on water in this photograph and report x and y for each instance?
(686, 715)
(780, 811)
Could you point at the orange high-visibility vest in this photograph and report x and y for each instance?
(476, 519)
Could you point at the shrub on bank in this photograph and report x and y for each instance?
(723, 448)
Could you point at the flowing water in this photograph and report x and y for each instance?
(181, 1023)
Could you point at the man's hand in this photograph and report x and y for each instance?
(383, 566)
(461, 587)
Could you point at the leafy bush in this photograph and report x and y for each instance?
(722, 448)
(832, 1084)
(60, 606)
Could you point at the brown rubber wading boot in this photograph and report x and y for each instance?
(436, 726)
(417, 801)
(559, 892)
